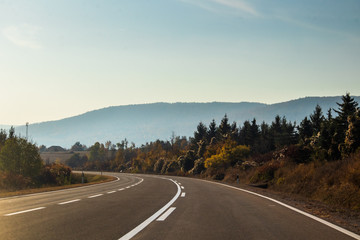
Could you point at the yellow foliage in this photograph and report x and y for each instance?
(228, 155)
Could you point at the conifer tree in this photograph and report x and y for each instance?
(224, 127)
(305, 129)
(316, 119)
(212, 134)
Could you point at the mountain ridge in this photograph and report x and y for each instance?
(141, 123)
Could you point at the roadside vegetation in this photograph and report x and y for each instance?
(22, 169)
(319, 158)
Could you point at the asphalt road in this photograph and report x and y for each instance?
(150, 207)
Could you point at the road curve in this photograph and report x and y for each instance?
(155, 207)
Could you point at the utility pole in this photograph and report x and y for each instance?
(27, 127)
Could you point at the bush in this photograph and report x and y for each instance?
(56, 174)
(14, 182)
(265, 173)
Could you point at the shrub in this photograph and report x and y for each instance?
(265, 173)
(56, 174)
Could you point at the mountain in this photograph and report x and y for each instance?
(147, 122)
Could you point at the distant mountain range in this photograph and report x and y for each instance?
(148, 122)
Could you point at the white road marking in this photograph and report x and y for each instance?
(25, 211)
(121, 189)
(128, 187)
(183, 194)
(166, 214)
(182, 187)
(143, 225)
(340, 229)
(97, 195)
(71, 201)
(111, 192)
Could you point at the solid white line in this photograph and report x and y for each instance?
(340, 229)
(25, 211)
(97, 195)
(183, 194)
(111, 192)
(143, 225)
(71, 201)
(166, 214)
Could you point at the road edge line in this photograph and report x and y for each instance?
(329, 224)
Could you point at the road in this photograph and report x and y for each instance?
(153, 207)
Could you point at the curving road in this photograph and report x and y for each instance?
(153, 207)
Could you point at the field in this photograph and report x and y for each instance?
(51, 157)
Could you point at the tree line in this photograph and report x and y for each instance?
(215, 147)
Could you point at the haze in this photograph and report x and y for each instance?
(62, 58)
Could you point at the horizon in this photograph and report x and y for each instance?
(59, 59)
(97, 109)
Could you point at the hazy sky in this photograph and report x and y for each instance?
(62, 58)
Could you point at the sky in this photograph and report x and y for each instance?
(63, 58)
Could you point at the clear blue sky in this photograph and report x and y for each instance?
(63, 58)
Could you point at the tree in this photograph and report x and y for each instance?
(305, 129)
(234, 132)
(212, 134)
(97, 152)
(76, 161)
(12, 132)
(3, 137)
(245, 134)
(224, 127)
(317, 119)
(20, 157)
(282, 132)
(78, 147)
(352, 136)
(200, 133)
(346, 110)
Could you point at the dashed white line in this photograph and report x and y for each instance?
(71, 201)
(25, 211)
(111, 192)
(183, 194)
(182, 187)
(121, 189)
(140, 227)
(128, 187)
(166, 214)
(97, 195)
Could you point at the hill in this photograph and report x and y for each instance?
(147, 122)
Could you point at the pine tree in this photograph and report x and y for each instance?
(347, 109)
(212, 132)
(200, 133)
(224, 128)
(305, 129)
(316, 119)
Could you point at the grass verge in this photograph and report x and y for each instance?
(91, 179)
